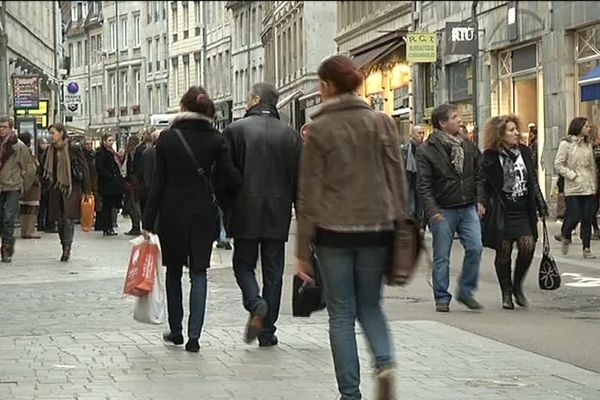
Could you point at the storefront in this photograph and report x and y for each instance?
(387, 85)
(587, 70)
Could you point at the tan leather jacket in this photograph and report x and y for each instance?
(575, 162)
(342, 177)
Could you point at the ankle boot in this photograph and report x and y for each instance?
(6, 253)
(66, 253)
(520, 298)
(507, 302)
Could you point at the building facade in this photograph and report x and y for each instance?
(30, 45)
(155, 51)
(297, 36)
(217, 79)
(535, 59)
(186, 48)
(247, 54)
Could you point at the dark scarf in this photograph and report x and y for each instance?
(263, 109)
(61, 177)
(453, 144)
(6, 147)
(508, 168)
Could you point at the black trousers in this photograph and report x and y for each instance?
(580, 209)
(109, 201)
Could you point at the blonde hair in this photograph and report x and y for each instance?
(495, 129)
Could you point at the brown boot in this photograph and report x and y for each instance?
(66, 254)
(6, 251)
(385, 384)
(28, 222)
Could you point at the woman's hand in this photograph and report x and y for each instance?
(305, 271)
(146, 234)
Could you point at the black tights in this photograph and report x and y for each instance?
(526, 248)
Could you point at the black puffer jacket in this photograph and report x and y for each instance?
(440, 185)
(110, 180)
(267, 152)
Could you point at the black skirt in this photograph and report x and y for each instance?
(516, 219)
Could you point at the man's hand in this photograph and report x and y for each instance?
(437, 218)
(305, 271)
(480, 210)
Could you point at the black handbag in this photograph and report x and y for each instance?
(76, 171)
(308, 297)
(549, 277)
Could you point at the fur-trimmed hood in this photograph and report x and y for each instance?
(189, 116)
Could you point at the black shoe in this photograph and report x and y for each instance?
(173, 338)
(110, 233)
(471, 303)
(268, 342)
(255, 322)
(507, 302)
(134, 233)
(192, 345)
(520, 298)
(442, 307)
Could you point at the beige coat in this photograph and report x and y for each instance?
(342, 177)
(19, 168)
(575, 162)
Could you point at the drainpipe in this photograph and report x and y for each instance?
(3, 62)
(474, 58)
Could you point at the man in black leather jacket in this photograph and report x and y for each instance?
(266, 151)
(450, 187)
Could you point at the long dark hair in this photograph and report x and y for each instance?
(576, 126)
(61, 128)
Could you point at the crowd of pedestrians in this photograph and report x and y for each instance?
(194, 186)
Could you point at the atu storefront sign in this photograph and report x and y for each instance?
(421, 47)
(26, 92)
(462, 38)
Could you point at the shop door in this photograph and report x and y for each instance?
(525, 100)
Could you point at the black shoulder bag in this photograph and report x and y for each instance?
(549, 277)
(202, 175)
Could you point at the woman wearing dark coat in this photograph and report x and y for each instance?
(67, 171)
(182, 202)
(513, 200)
(110, 182)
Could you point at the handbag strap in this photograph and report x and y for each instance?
(199, 169)
(546, 237)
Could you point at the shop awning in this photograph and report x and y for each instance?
(378, 49)
(590, 85)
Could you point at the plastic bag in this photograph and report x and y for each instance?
(151, 308)
(88, 205)
(143, 266)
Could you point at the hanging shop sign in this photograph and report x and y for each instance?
(461, 38)
(421, 47)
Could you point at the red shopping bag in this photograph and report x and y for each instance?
(87, 212)
(143, 264)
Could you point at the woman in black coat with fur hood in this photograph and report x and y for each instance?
(181, 202)
(513, 200)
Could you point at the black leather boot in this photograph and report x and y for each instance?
(507, 302)
(66, 253)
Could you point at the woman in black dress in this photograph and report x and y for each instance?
(110, 182)
(512, 200)
(182, 201)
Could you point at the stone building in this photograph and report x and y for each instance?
(535, 59)
(247, 53)
(30, 44)
(155, 51)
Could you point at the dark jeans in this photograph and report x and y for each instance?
(9, 212)
(66, 231)
(272, 254)
(175, 301)
(109, 201)
(134, 208)
(580, 209)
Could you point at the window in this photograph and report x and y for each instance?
(186, 17)
(186, 75)
(165, 47)
(227, 73)
(207, 84)
(165, 95)
(176, 80)
(151, 101)
(158, 99)
(100, 104)
(93, 100)
(198, 69)
(124, 87)
(71, 53)
(236, 83)
(158, 55)
(79, 61)
(113, 90)
(73, 14)
(149, 63)
(197, 13)
(99, 45)
(136, 28)
(138, 87)
(150, 5)
(113, 35)
(93, 52)
(124, 33)
(175, 24)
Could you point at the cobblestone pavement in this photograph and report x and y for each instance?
(67, 333)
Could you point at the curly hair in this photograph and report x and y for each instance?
(495, 129)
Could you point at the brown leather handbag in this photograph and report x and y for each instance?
(408, 238)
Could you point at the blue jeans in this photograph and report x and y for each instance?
(352, 279)
(465, 222)
(175, 299)
(9, 212)
(272, 256)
